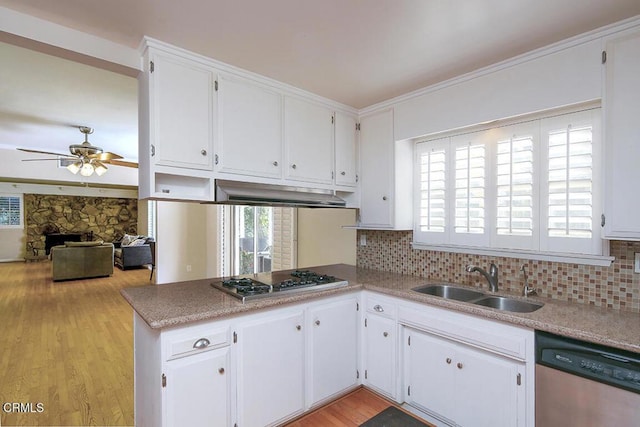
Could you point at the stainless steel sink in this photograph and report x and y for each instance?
(449, 292)
(508, 304)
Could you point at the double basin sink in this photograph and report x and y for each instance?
(478, 298)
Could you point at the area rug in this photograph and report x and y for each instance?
(393, 417)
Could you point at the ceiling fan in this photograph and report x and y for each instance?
(88, 158)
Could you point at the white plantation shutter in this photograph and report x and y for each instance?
(470, 190)
(569, 194)
(431, 183)
(11, 211)
(516, 197)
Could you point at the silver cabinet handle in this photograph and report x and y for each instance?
(343, 173)
(378, 308)
(275, 163)
(201, 343)
(298, 327)
(317, 323)
(459, 365)
(384, 197)
(293, 166)
(221, 371)
(448, 361)
(203, 152)
(385, 334)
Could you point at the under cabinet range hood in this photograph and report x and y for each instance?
(254, 194)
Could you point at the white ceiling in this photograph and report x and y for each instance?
(357, 52)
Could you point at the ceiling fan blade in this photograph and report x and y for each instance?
(45, 152)
(106, 156)
(117, 162)
(37, 160)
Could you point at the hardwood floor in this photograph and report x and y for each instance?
(350, 411)
(67, 346)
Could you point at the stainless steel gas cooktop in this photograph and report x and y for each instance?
(248, 289)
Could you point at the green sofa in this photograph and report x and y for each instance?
(80, 260)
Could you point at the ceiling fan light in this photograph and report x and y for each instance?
(74, 168)
(87, 169)
(100, 169)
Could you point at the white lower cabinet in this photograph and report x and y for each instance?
(197, 389)
(332, 362)
(463, 385)
(380, 354)
(270, 363)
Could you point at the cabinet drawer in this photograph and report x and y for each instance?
(185, 343)
(381, 306)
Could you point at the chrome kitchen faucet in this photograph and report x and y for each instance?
(492, 276)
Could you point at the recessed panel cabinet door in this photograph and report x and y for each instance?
(270, 369)
(622, 136)
(346, 149)
(376, 170)
(308, 130)
(182, 103)
(249, 129)
(197, 391)
(333, 348)
(380, 354)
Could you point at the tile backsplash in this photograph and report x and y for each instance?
(616, 287)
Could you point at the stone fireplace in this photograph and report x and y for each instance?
(92, 218)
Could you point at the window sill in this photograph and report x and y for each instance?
(583, 259)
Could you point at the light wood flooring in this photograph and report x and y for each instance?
(66, 345)
(350, 411)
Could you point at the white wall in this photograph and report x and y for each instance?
(185, 238)
(321, 238)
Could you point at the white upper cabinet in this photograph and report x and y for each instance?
(346, 143)
(385, 175)
(249, 128)
(182, 112)
(622, 136)
(308, 132)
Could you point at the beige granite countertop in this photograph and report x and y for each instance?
(179, 303)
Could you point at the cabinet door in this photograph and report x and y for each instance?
(197, 391)
(622, 135)
(249, 129)
(308, 130)
(346, 149)
(182, 118)
(486, 389)
(380, 354)
(333, 349)
(429, 373)
(376, 170)
(270, 369)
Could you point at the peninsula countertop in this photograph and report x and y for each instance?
(180, 303)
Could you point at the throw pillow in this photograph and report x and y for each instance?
(138, 242)
(127, 239)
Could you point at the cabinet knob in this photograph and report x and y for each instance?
(384, 198)
(293, 166)
(203, 152)
(448, 361)
(275, 163)
(459, 365)
(201, 343)
(317, 323)
(298, 327)
(343, 173)
(385, 334)
(221, 371)
(378, 308)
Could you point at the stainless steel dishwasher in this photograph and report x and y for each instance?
(584, 384)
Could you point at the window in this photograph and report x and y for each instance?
(529, 185)
(11, 211)
(151, 218)
(257, 239)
